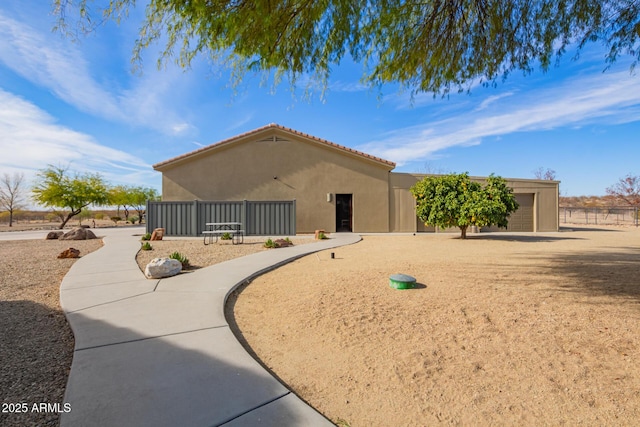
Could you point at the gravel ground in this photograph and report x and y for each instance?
(36, 343)
(202, 256)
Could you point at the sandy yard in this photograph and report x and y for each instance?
(536, 329)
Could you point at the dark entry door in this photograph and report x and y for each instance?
(344, 212)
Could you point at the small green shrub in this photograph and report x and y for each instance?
(133, 219)
(270, 244)
(116, 219)
(179, 257)
(226, 236)
(147, 236)
(146, 246)
(286, 239)
(322, 236)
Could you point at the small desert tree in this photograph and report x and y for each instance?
(54, 188)
(138, 197)
(12, 194)
(455, 201)
(627, 189)
(548, 174)
(119, 196)
(132, 198)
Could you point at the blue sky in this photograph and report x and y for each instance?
(79, 104)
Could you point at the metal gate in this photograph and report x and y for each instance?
(258, 218)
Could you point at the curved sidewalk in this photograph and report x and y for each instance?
(160, 352)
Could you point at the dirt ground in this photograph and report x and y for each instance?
(536, 329)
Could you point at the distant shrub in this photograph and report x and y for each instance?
(116, 219)
(322, 236)
(98, 215)
(146, 246)
(133, 219)
(146, 236)
(226, 236)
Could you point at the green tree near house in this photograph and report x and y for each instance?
(455, 200)
(138, 197)
(425, 46)
(135, 198)
(56, 187)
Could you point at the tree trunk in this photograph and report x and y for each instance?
(11, 218)
(71, 215)
(463, 232)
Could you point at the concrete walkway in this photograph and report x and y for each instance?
(160, 352)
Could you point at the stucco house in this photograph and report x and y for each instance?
(335, 187)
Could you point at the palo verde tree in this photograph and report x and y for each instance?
(132, 198)
(56, 188)
(12, 194)
(424, 45)
(627, 189)
(138, 197)
(455, 201)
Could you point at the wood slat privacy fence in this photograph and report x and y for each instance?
(188, 218)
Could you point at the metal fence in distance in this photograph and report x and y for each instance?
(612, 215)
(188, 218)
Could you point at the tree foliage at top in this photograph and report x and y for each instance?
(455, 201)
(56, 188)
(425, 45)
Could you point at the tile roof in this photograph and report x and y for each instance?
(282, 128)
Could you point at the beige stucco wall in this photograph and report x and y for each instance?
(303, 169)
(402, 217)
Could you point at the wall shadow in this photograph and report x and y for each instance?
(568, 229)
(525, 238)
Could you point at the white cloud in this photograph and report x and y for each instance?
(60, 66)
(610, 98)
(30, 140)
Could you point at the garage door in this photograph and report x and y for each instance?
(522, 219)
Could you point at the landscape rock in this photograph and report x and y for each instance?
(70, 253)
(282, 243)
(162, 267)
(54, 235)
(78, 233)
(157, 234)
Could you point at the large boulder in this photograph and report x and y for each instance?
(54, 235)
(162, 267)
(78, 233)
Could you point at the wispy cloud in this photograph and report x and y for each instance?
(492, 99)
(30, 140)
(60, 66)
(610, 98)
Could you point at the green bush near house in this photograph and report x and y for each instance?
(270, 244)
(146, 246)
(180, 257)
